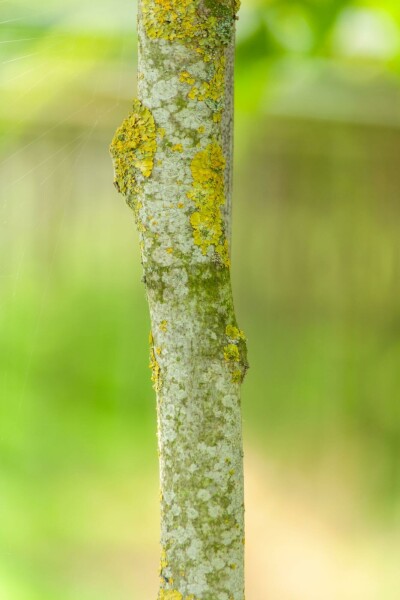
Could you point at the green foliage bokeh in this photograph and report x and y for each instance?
(315, 273)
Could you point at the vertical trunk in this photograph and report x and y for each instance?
(172, 160)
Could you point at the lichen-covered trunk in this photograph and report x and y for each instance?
(172, 159)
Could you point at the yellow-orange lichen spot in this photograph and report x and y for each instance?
(133, 148)
(207, 193)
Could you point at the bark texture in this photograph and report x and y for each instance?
(173, 163)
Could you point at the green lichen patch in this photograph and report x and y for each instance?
(208, 195)
(133, 148)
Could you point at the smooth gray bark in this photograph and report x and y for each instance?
(173, 163)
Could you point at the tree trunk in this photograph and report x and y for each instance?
(173, 163)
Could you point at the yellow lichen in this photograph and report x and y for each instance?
(231, 353)
(170, 595)
(133, 148)
(223, 252)
(136, 209)
(212, 90)
(163, 325)
(180, 20)
(177, 148)
(173, 594)
(235, 353)
(207, 32)
(207, 193)
(237, 376)
(163, 561)
(154, 366)
(234, 333)
(169, 19)
(194, 92)
(186, 77)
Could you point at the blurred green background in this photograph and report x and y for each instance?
(316, 273)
